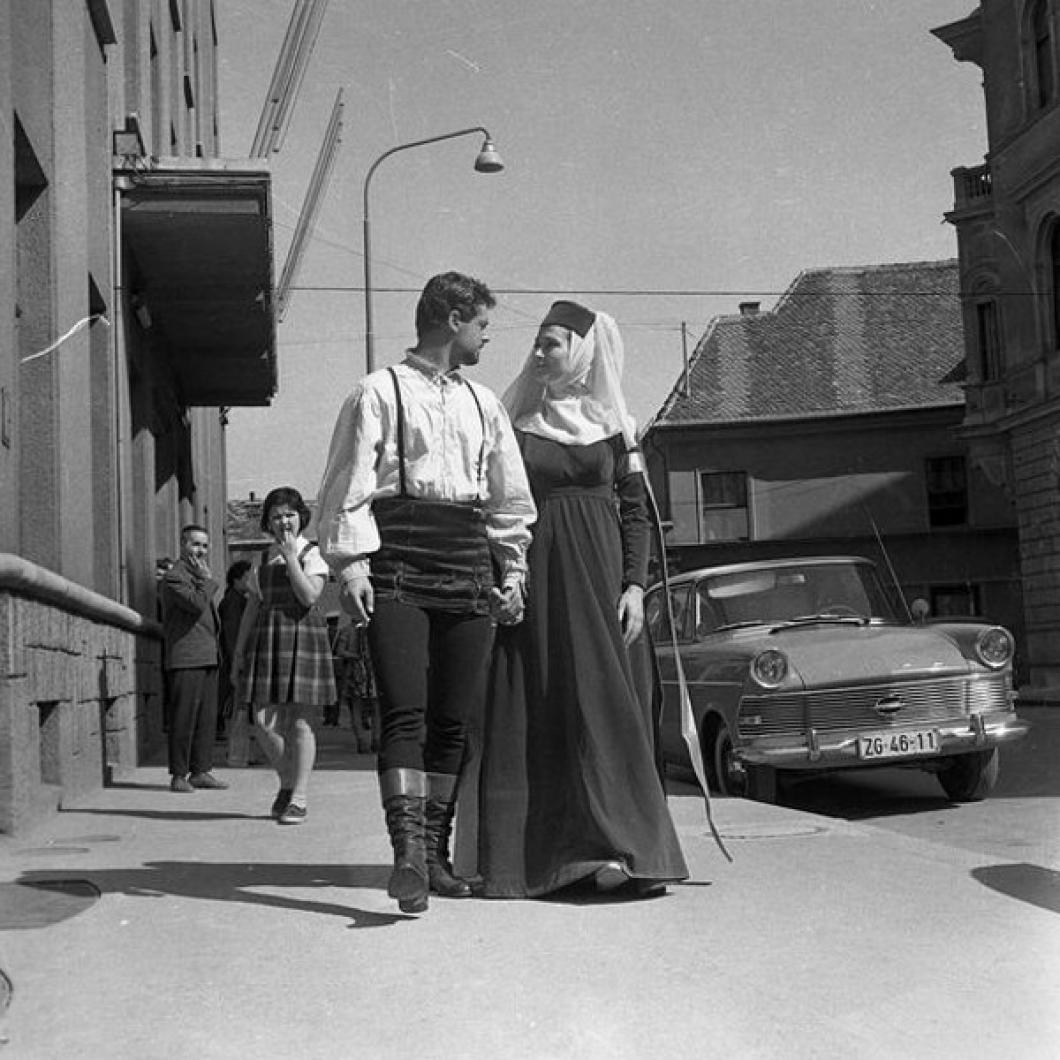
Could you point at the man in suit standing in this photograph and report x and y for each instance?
(190, 628)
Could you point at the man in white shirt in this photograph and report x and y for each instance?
(424, 517)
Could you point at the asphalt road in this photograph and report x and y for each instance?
(1019, 821)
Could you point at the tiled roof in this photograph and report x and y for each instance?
(840, 340)
(244, 523)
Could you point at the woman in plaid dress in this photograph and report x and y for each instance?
(283, 655)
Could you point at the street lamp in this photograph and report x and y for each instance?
(488, 161)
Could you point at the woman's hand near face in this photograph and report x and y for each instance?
(287, 540)
(631, 613)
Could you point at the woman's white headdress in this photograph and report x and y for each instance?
(585, 406)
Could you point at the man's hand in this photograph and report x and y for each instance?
(506, 604)
(631, 613)
(358, 598)
(200, 567)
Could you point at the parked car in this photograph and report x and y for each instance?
(802, 665)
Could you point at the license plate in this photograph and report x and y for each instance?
(898, 744)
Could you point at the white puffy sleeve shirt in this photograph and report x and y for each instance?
(443, 439)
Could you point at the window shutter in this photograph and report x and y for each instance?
(684, 508)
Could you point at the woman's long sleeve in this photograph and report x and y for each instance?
(509, 503)
(634, 516)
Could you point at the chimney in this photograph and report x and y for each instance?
(749, 309)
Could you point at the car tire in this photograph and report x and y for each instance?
(729, 775)
(736, 779)
(970, 777)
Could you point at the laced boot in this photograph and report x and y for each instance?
(441, 788)
(404, 792)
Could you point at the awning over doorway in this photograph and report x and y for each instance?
(197, 236)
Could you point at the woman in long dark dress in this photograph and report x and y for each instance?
(569, 789)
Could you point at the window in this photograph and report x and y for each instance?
(1042, 44)
(954, 601)
(659, 621)
(723, 506)
(989, 340)
(707, 506)
(947, 491)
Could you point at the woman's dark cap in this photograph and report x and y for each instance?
(570, 315)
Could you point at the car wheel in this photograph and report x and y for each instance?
(729, 773)
(970, 777)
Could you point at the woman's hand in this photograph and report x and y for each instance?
(287, 540)
(631, 613)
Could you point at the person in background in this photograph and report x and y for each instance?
(569, 790)
(190, 628)
(331, 711)
(423, 496)
(282, 659)
(356, 683)
(230, 612)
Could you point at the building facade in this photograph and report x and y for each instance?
(136, 275)
(831, 426)
(1006, 214)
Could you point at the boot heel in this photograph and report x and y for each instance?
(406, 884)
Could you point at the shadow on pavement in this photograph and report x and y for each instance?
(1029, 883)
(860, 796)
(42, 902)
(129, 785)
(237, 882)
(166, 815)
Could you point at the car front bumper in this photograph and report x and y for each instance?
(839, 750)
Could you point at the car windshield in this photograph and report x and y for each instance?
(810, 591)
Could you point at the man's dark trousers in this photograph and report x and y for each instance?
(193, 719)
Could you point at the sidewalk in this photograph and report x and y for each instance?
(219, 933)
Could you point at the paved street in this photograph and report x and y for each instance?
(217, 933)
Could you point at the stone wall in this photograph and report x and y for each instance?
(1036, 471)
(80, 695)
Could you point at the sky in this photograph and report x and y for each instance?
(663, 163)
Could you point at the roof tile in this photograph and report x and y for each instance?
(840, 340)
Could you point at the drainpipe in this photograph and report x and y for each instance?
(122, 183)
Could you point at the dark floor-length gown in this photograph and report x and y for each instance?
(568, 778)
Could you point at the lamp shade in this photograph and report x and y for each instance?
(488, 160)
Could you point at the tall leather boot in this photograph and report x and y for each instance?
(441, 789)
(404, 792)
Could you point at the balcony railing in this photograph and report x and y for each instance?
(972, 185)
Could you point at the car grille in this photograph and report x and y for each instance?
(933, 701)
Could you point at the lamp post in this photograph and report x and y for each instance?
(488, 161)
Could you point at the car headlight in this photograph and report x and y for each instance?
(994, 647)
(769, 668)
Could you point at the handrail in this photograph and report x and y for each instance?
(19, 575)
